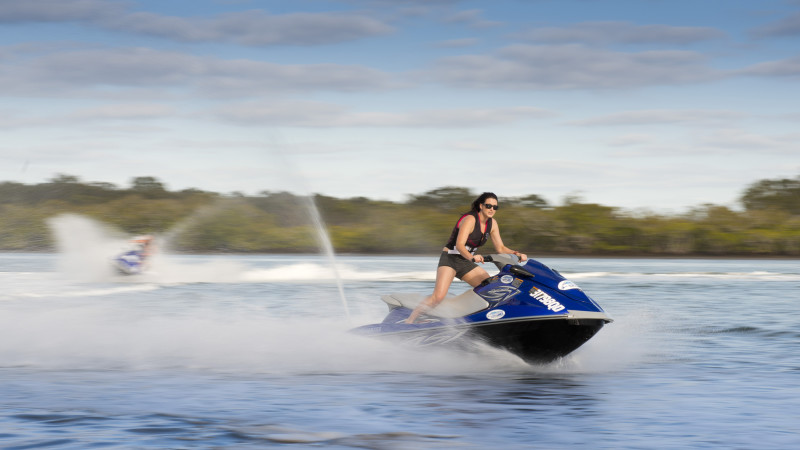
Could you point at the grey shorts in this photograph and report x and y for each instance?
(461, 265)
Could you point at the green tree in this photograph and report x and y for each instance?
(448, 198)
(781, 194)
(529, 201)
(148, 187)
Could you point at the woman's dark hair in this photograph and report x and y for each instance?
(476, 205)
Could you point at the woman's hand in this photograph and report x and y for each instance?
(477, 259)
(521, 256)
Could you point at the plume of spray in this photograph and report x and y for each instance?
(322, 236)
(85, 246)
(185, 224)
(169, 270)
(325, 243)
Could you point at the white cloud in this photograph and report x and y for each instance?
(253, 28)
(719, 142)
(317, 114)
(789, 67)
(98, 69)
(596, 33)
(115, 112)
(472, 18)
(788, 26)
(537, 67)
(14, 11)
(742, 140)
(133, 111)
(661, 117)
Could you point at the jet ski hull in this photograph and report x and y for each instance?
(538, 341)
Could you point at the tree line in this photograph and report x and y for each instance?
(198, 221)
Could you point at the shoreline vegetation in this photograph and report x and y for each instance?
(196, 221)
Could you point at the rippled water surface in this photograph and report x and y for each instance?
(253, 351)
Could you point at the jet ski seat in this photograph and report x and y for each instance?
(451, 307)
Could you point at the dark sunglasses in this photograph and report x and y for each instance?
(488, 206)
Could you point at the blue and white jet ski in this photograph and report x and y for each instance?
(527, 309)
(134, 260)
(129, 263)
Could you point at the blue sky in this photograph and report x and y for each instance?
(661, 105)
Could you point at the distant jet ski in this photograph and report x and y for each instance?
(135, 259)
(527, 309)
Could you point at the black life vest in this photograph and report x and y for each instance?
(475, 239)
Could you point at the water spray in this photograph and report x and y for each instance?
(323, 238)
(327, 246)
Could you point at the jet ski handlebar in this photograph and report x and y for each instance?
(503, 259)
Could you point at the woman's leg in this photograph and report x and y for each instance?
(444, 277)
(475, 276)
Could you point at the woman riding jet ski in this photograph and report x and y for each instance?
(529, 310)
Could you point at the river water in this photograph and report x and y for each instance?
(253, 351)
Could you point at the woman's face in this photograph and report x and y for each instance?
(489, 207)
